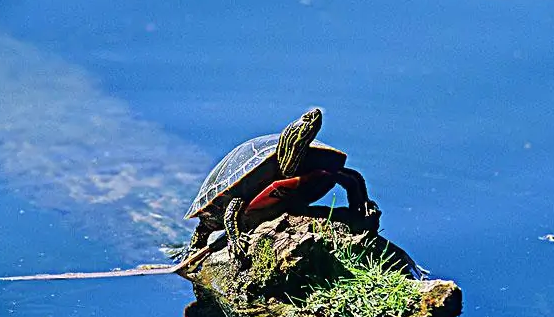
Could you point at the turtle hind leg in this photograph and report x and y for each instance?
(231, 221)
(354, 184)
(358, 201)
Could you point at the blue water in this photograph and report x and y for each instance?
(111, 114)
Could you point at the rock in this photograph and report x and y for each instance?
(439, 299)
(294, 253)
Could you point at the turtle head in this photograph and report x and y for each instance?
(295, 140)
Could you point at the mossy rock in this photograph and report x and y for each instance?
(288, 257)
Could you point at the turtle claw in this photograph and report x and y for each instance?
(245, 238)
(237, 247)
(368, 209)
(237, 251)
(369, 214)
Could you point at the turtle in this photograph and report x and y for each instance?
(265, 176)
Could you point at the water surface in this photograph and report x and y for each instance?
(112, 114)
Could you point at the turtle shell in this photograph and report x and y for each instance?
(236, 166)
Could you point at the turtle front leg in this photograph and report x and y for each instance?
(231, 221)
(354, 184)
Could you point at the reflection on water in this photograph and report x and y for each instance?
(66, 146)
